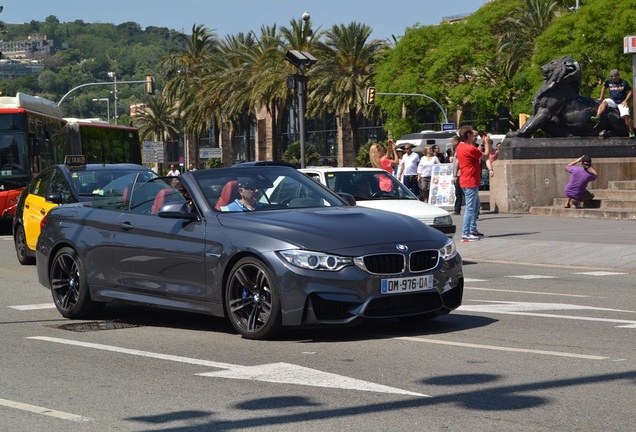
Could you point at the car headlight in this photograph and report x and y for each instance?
(448, 251)
(442, 220)
(315, 260)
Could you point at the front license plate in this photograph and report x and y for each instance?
(407, 284)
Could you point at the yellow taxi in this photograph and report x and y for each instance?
(71, 182)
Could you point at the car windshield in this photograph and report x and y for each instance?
(91, 183)
(262, 188)
(368, 185)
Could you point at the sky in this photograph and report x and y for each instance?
(386, 17)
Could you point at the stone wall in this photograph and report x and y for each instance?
(519, 184)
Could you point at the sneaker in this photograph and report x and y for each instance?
(631, 135)
(457, 213)
(469, 238)
(595, 119)
(477, 233)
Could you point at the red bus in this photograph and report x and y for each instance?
(34, 135)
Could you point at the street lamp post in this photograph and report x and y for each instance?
(303, 61)
(107, 106)
(113, 75)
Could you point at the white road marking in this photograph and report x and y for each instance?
(499, 348)
(474, 280)
(527, 309)
(600, 273)
(532, 277)
(526, 292)
(33, 306)
(45, 411)
(275, 372)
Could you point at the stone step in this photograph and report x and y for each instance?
(622, 185)
(602, 203)
(624, 194)
(591, 213)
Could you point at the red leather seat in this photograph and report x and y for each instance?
(160, 199)
(228, 194)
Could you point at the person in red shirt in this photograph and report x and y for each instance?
(469, 159)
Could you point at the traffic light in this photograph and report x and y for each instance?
(370, 95)
(150, 84)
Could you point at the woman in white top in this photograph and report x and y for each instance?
(424, 171)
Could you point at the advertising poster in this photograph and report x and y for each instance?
(442, 188)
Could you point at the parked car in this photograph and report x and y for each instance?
(304, 257)
(365, 186)
(64, 184)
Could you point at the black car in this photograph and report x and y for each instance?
(301, 257)
(64, 184)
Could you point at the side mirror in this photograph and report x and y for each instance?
(54, 197)
(179, 210)
(348, 198)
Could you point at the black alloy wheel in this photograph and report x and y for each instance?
(21, 248)
(251, 300)
(70, 287)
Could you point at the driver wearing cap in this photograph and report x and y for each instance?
(250, 193)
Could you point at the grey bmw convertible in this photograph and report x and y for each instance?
(264, 246)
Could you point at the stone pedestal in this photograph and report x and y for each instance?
(530, 171)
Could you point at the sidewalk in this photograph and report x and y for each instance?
(521, 238)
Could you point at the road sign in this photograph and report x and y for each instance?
(210, 153)
(152, 152)
(448, 126)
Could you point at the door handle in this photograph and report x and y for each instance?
(126, 226)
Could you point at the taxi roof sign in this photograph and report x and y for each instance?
(74, 160)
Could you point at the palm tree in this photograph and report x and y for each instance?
(524, 26)
(345, 68)
(183, 71)
(157, 122)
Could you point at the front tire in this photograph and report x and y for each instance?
(70, 287)
(251, 300)
(21, 248)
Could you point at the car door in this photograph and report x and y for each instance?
(162, 257)
(36, 207)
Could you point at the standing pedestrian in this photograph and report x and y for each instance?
(470, 157)
(173, 171)
(410, 160)
(459, 194)
(425, 171)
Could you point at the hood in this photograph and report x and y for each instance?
(336, 228)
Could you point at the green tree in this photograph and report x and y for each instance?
(157, 122)
(346, 67)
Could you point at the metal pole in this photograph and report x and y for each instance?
(420, 95)
(301, 115)
(115, 92)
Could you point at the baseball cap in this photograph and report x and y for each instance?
(614, 72)
(587, 161)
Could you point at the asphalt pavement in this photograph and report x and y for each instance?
(595, 244)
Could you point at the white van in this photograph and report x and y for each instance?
(427, 137)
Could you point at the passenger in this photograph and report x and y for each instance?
(580, 176)
(250, 193)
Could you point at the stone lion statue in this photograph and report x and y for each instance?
(559, 110)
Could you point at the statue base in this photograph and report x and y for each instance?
(530, 171)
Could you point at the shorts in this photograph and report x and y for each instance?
(622, 109)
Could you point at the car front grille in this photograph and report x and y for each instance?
(386, 264)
